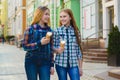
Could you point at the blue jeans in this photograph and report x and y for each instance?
(32, 70)
(72, 71)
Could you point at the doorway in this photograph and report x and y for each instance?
(100, 18)
(111, 17)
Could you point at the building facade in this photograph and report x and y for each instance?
(74, 5)
(89, 18)
(3, 17)
(30, 6)
(98, 17)
(16, 17)
(111, 16)
(55, 7)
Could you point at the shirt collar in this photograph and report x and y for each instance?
(69, 27)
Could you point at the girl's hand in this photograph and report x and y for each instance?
(45, 41)
(60, 50)
(80, 71)
(52, 70)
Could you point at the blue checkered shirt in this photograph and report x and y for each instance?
(73, 52)
(34, 34)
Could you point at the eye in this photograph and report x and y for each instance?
(64, 16)
(60, 16)
(47, 14)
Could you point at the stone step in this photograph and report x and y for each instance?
(95, 54)
(114, 73)
(95, 61)
(96, 50)
(93, 43)
(95, 58)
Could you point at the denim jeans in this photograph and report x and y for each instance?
(72, 71)
(32, 70)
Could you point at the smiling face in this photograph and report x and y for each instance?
(46, 16)
(65, 18)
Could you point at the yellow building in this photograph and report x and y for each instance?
(3, 16)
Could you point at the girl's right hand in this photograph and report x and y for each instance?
(60, 50)
(45, 41)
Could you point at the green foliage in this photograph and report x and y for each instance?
(114, 41)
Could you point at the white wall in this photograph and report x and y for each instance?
(15, 22)
(89, 22)
(119, 14)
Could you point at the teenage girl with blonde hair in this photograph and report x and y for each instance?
(39, 56)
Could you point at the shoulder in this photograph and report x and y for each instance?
(29, 29)
(49, 28)
(59, 28)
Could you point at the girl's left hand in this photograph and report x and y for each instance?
(52, 70)
(80, 71)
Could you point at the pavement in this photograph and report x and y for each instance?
(12, 66)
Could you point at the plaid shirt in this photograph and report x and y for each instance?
(72, 51)
(32, 40)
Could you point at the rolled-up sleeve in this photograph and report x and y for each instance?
(79, 51)
(52, 52)
(27, 43)
(79, 54)
(56, 39)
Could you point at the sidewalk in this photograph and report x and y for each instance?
(12, 65)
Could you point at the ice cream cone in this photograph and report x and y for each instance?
(48, 35)
(62, 44)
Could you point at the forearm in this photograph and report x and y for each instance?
(52, 60)
(55, 50)
(80, 62)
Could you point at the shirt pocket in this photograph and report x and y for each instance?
(73, 40)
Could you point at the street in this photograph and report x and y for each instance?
(12, 65)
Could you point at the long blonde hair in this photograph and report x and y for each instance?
(74, 25)
(38, 15)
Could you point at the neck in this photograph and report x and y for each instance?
(67, 25)
(41, 24)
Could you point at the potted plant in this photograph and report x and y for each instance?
(114, 47)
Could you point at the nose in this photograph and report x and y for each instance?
(48, 16)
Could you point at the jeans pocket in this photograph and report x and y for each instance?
(28, 55)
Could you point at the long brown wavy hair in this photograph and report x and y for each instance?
(74, 25)
(38, 15)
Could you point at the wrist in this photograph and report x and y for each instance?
(56, 50)
(41, 42)
(35, 43)
(80, 68)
